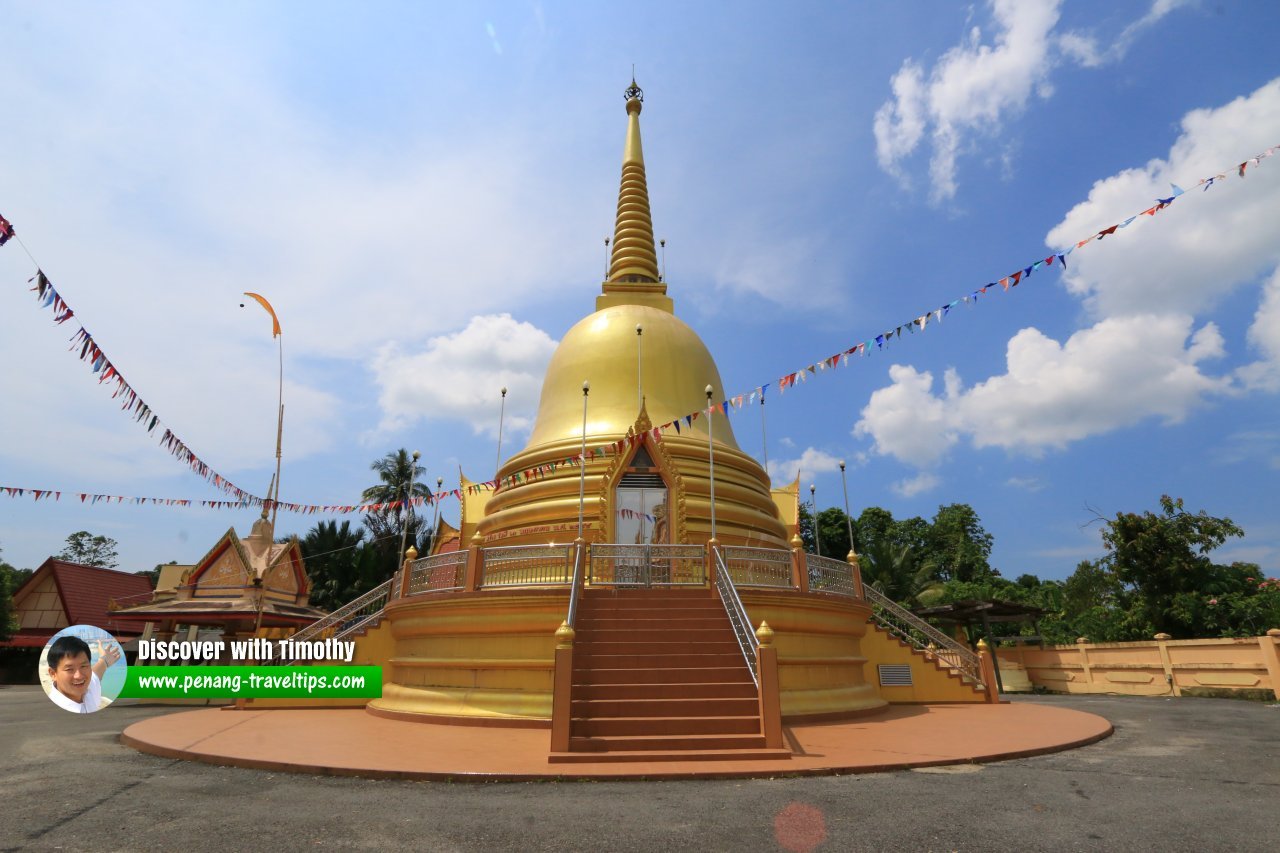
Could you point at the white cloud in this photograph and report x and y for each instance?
(1030, 484)
(907, 421)
(1115, 374)
(919, 484)
(1207, 243)
(459, 376)
(969, 90)
(1264, 335)
(812, 461)
(976, 85)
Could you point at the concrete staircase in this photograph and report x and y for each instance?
(658, 676)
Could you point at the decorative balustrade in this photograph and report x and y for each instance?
(528, 565)
(648, 565)
(438, 573)
(748, 566)
(738, 617)
(827, 574)
(913, 630)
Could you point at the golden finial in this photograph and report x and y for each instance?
(764, 635)
(564, 636)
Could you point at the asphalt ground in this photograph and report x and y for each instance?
(1178, 774)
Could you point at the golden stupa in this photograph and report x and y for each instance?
(645, 366)
(478, 632)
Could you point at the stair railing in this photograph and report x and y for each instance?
(916, 632)
(348, 618)
(575, 585)
(738, 618)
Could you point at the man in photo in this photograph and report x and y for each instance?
(77, 684)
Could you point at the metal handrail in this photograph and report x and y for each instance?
(364, 609)
(904, 624)
(425, 574)
(738, 617)
(576, 584)
(751, 566)
(827, 574)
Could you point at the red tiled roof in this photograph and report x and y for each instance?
(85, 591)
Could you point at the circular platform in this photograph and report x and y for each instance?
(354, 743)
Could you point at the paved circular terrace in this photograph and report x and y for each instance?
(354, 743)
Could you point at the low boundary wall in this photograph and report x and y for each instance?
(1158, 667)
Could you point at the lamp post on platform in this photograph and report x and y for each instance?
(435, 518)
(639, 367)
(582, 471)
(848, 519)
(711, 455)
(408, 502)
(502, 412)
(813, 502)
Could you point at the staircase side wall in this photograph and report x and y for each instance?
(821, 658)
(930, 682)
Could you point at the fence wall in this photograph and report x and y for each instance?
(1155, 667)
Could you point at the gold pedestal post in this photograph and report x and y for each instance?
(770, 692)
(562, 689)
(473, 576)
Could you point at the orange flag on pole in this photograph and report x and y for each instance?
(275, 321)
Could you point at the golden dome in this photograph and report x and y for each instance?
(602, 349)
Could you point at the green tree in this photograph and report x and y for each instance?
(895, 571)
(956, 546)
(9, 581)
(396, 471)
(88, 550)
(833, 530)
(340, 563)
(1163, 562)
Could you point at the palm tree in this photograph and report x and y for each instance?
(340, 563)
(894, 571)
(395, 470)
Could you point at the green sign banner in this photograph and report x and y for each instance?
(253, 682)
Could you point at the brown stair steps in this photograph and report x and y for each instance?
(615, 727)
(719, 706)
(691, 691)
(622, 743)
(663, 756)
(662, 675)
(658, 676)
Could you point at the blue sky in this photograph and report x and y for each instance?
(422, 191)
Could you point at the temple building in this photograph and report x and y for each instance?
(240, 588)
(652, 601)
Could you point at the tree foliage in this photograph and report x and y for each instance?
(342, 565)
(88, 550)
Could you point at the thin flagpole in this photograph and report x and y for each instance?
(813, 501)
(502, 413)
(711, 455)
(582, 474)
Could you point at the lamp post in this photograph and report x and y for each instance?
(582, 472)
(764, 437)
(502, 412)
(711, 455)
(813, 501)
(435, 518)
(848, 519)
(408, 502)
(639, 367)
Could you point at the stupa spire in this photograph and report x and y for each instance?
(634, 260)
